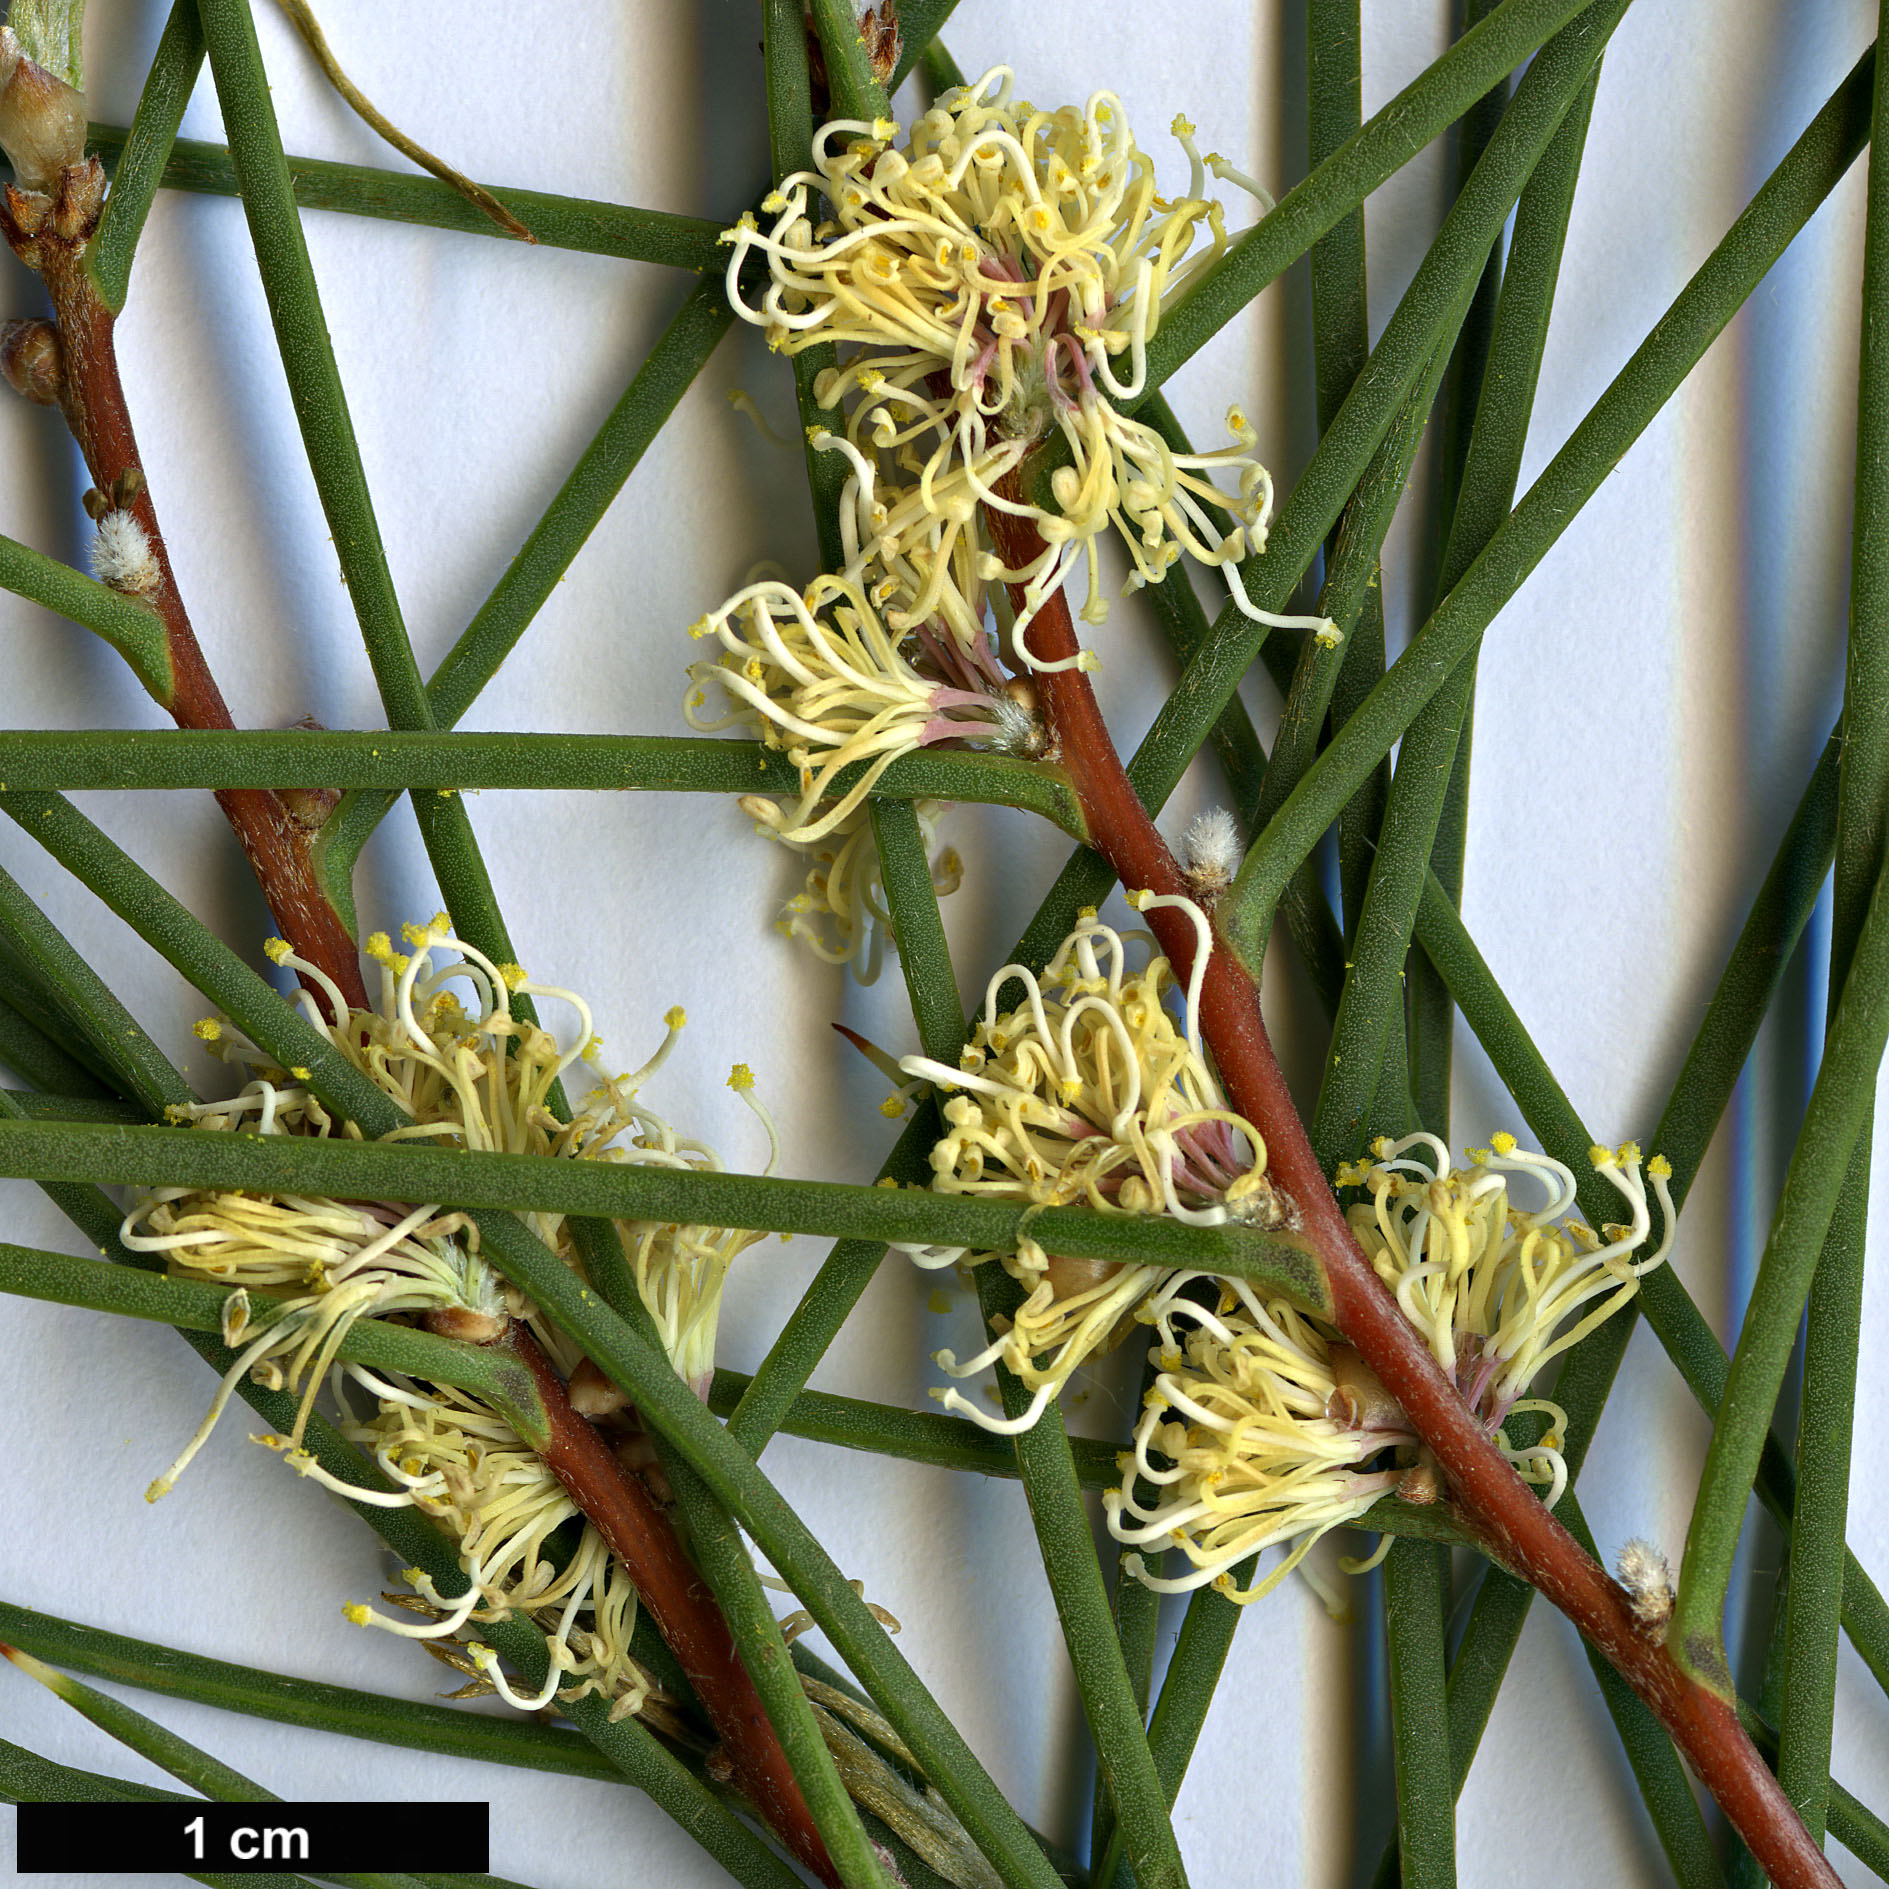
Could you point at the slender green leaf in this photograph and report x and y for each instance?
(33, 1056)
(139, 1066)
(133, 629)
(144, 152)
(193, 1305)
(1341, 342)
(1794, 190)
(723, 1557)
(856, 92)
(139, 1156)
(920, 23)
(580, 223)
(321, 407)
(790, 149)
(1109, 1701)
(1807, 1707)
(1840, 1104)
(1136, 1610)
(942, 72)
(1416, 1601)
(924, 956)
(449, 1731)
(208, 1776)
(74, 760)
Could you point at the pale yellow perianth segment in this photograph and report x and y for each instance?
(1263, 1428)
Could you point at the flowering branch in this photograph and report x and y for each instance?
(1494, 1504)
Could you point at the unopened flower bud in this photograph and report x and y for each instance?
(593, 1395)
(32, 361)
(470, 1327)
(308, 807)
(1359, 1400)
(1070, 1278)
(42, 119)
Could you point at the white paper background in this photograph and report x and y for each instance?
(1650, 707)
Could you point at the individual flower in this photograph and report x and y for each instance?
(1091, 1092)
(840, 913)
(820, 676)
(1263, 1427)
(448, 1043)
(987, 280)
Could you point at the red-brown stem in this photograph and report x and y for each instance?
(1501, 1510)
(93, 401)
(680, 1602)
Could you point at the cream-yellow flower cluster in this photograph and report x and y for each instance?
(1088, 1092)
(987, 278)
(448, 1044)
(1264, 1428)
(991, 283)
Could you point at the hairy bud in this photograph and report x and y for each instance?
(1648, 1578)
(42, 119)
(32, 361)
